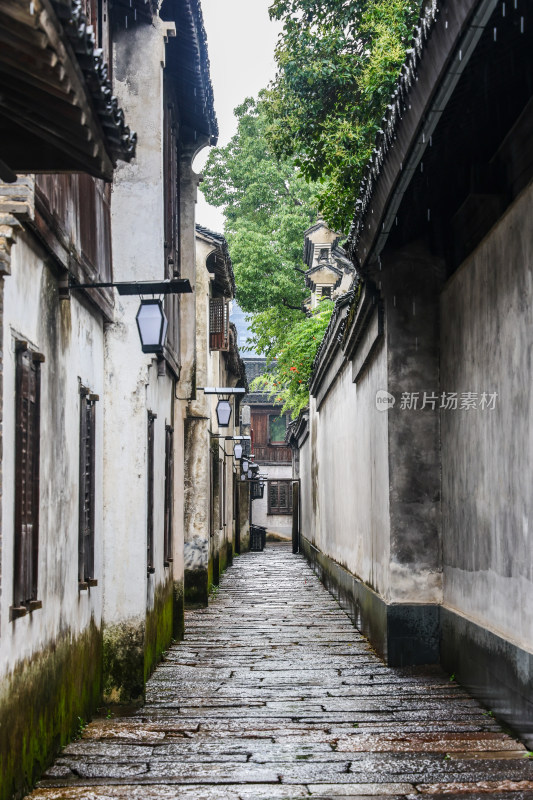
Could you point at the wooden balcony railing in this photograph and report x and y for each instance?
(277, 454)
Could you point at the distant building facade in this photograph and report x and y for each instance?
(271, 452)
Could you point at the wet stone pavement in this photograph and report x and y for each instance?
(274, 694)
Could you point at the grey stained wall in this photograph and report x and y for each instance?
(344, 476)
(487, 455)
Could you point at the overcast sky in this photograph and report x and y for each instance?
(240, 41)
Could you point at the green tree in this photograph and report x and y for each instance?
(294, 348)
(268, 205)
(338, 61)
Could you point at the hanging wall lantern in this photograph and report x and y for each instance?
(237, 451)
(223, 413)
(152, 325)
(245, 465)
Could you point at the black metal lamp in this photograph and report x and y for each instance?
(237, 451)
(223, 413)
(152, 325)
(245, 465)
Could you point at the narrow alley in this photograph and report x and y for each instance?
(274, 694)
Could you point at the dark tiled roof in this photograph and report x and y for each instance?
(120, 140)
(255, 367)
(188, 61)
(219, 263)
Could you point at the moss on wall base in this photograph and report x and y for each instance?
(216, 569)
(178, 619)
(123, 659)
(43, 702)
(196, 587)
(229, 554)
(158, 634)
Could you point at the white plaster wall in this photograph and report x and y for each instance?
(487, 456)
(345, 478)
(278, 523)
(70, 336)
(133, 386)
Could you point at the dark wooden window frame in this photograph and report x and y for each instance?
(86, 527)
(27, 452)
(277, 442)
(150, 493)
(169, 494)
(218, 323)
(280, 497)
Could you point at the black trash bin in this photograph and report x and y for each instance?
(257, 537)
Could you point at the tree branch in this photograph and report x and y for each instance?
(294, 308)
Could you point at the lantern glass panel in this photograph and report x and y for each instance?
(223, 413)
(237, 451)
(152, 325)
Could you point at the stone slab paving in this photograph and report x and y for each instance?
(273, 694)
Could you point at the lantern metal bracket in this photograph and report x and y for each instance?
(169, 286)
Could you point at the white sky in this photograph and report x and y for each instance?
(240, 42)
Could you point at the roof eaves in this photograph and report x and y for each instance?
(444, 40)
(120, 141)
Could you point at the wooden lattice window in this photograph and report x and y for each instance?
(150, 494)
(218, 323)
(280, 497)
(86, 489)
(169, 494)
(27, 436)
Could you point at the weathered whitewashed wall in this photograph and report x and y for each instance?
(50, 659)
(70, 337)
(487, 455)
(345, 482)
(209, 527)
(138, 605)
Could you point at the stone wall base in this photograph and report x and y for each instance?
(44, 702)
(196, 587)
(496, 671)
(402, 634)
(178, 617)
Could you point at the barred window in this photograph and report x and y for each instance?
(280, 497)
(86, 489)
(218, 323)
(150, 494)
(27, 436)
(169, 493)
